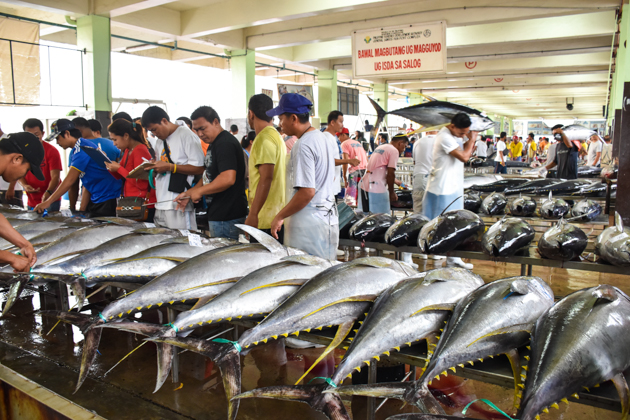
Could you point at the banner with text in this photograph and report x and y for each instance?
(399, 50)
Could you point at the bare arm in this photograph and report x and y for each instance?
(262, 192)
(221, 183)
(391, 180)
(19, 263)
(300, 199)
(162, 167)
(86, 197)
(597, 157)
(54, 183)
(68, 182)
(466, 153)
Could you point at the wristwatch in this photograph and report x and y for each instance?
(49, 192)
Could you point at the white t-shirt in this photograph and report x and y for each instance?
(185, 149)
(312, 165)
(482, 148)
(593, 149)
(606, 158)
(338, 169)
(447, 172)
(423, 155)
(500, 148)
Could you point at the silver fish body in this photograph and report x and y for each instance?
(580, 342)
(259, 292)
(506, 237)
(494, 204)
(578, 132)
(52, 235)
(405, 313)
(562, 242)
(449, 230)
(30, 230)
(586, 210)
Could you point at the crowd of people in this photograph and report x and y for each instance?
(285, 180)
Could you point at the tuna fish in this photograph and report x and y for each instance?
(554, 208)
(579, 343)
(405, 231)
(578, 132)
(337, 296)
(196, 278)
(562, 242)
(480, 179)
(30, 230)
(494, 204)
(563, 188)
(615, 248)
(435, 113)
(449, 230)
(415, 309)
(472, 201)
(344, 232)
(522, 206)
(500, 186)
(415, 416)
(372, 228)
(506, 237)
(586, 210)
(609, 232)
(531, 186)
(497, 318)
(596, 189)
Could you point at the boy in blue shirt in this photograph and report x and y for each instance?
(104, 189)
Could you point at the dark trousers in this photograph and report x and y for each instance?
(500, 169)
(104, 209)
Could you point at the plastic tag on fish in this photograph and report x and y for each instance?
(66, 213)
(85, 220)
(194, 240)
(149, 225)
(184, 232)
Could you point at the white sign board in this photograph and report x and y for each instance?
(400, 50)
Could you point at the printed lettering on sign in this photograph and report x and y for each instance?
(470, 64)
(498, 79)
(408, 49)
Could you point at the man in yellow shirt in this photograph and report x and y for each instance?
(516, 149)
(267, 167)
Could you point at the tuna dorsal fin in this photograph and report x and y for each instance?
(619, 380)
(527, 328)
(359, 298)
(376, 262)
(201, 302)
(436, 307)
(605, 292)
(550, 196)
(306, 259)
(618, 222)
(520, 287)
(267, 241)
(291, 282)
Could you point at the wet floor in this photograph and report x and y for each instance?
(126, 392)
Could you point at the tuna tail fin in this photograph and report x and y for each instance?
(313, 395)
(226, 357)
(407, 391)
(91, 339)
(164, 351)
(76, 283)
(618, 222)
(15, 291)
(380, 113)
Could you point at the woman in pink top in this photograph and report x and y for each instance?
(354, 150)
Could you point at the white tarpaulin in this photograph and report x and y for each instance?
(400, 50)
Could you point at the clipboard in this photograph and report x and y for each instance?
(139, 173)
(97, 155)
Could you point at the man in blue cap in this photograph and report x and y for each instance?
(19, 154)
(102, 186)
(312, 223)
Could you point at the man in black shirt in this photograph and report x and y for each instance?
(223, 179)
(566, 155)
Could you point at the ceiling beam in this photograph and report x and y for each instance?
(63, 7)
(156, 20)
(114, 8)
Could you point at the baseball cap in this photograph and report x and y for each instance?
(59, 127)
(291, 103)
(344, 130)
(29, 146)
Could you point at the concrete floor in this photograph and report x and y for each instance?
(127, 391)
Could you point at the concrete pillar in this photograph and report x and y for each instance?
(326, 93)
(381, 96)
(243, 65)
(94, 36)
(511, 130)
(414, 98)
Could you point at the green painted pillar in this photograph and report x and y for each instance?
(243, 66)
(381, 96)
(326, 93)
(94, 36)
(511, 130)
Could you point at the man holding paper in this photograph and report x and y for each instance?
(104, 189)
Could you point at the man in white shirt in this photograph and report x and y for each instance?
(179, 158)
(422, 161)
(335, 125)
(500, 157)
(594, 151)
(481, 148)
(446, 182)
